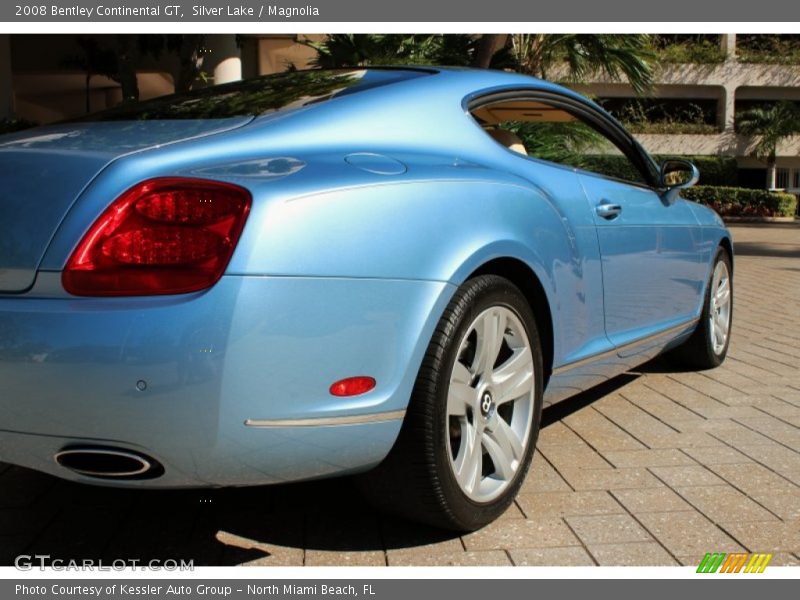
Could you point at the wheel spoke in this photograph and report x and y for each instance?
(491, 331)
(459, 397)
(469, 462)
(514, 378)
(723, 294)
(721, 323)
(461, 374)
(719, 336)
(504, 448)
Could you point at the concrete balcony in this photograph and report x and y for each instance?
(731, 73)
(719, 144)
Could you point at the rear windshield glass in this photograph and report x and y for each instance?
(270, 93)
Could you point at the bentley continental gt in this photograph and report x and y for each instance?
(383, 272)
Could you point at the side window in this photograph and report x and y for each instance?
(551, 133)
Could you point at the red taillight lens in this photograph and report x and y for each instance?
(352, 386)
(163, 236)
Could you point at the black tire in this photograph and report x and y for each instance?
(697, 352)
(416, 481)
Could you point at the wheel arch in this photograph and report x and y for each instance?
(726, 243)
(524, 277)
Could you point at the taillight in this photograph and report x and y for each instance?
(352, 386)
(163, 236)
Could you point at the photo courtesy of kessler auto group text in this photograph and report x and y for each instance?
(394, 300)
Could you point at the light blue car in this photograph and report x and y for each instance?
(318, 273)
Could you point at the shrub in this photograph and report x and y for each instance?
(714, 170)
(698, 49)
(771, 48)
(743, 202)
(664, 115)
(12, 125)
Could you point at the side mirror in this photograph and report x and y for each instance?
(676, 175)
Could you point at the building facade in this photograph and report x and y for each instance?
(729, 86)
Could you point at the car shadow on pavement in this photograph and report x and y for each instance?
(280, 525)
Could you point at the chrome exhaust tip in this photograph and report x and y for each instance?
(108, 463)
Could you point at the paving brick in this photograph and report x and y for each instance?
(254, 553)
(688, 532)
(767, 536)
(574, 556)
(487, 558)
(783, 502)
(753, 478)
(559, 504)
(775, 457)
(636, 554)
(327, 558)
(718, 455)
(610, 479)
(723, 504)
(542, 477)
(661, 457)
(691, 439)
(661, 499)
(558, 434)
(676, 477)
(776, 430)
(602, 434)
(607, 529)
(530, 533)
(575, 457)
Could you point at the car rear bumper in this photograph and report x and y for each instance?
(177, 378)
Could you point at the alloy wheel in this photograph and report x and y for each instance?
(490, 404)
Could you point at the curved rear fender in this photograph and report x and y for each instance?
(427, 230)
(441, 230)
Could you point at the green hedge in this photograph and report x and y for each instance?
(12, 125)
(714, 170)
(769, 48)
(743, 202)
(688, 48)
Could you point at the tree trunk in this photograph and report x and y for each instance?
(190, 59)
(488, 45)
(88, 92)
(772, 173)
(127, 62)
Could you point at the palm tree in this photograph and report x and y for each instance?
(770, 125)
(93, 60)
(360, 50)
(584, 55)
(617, 56)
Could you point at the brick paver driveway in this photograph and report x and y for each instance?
(656, 468)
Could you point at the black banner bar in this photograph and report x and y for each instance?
(461, 11)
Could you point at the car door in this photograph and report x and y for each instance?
(650, 247)
(637, 269)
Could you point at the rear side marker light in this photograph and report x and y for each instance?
(352, 386)
(170, 235)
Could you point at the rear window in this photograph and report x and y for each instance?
(270, 93)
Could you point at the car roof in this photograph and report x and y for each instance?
(467, 82)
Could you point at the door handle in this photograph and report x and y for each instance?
(607, 210)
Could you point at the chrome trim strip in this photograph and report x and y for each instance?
(625, 347)
(328, 421)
